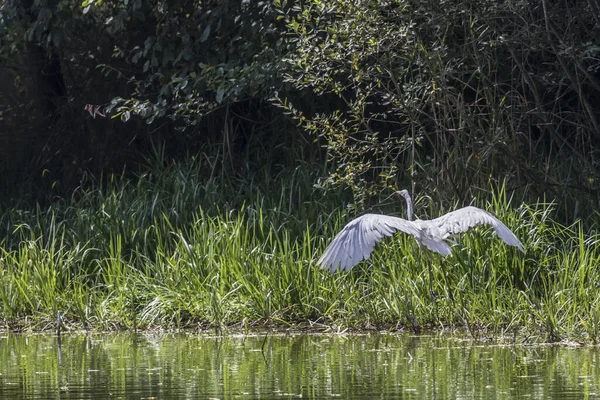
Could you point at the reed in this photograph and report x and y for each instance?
(187, 245)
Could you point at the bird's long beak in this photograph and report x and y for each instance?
(403, 195)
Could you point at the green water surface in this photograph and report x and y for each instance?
(376, 366)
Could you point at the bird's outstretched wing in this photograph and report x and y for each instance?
(463, 219)
(357, 239)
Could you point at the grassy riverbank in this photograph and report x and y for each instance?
(186, 246)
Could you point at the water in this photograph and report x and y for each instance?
(127, 366)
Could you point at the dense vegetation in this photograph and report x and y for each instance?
(442, 96)
(119, 209)
(164, 250)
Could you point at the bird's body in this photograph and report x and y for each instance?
(357, 239)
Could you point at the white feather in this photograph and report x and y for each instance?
(357, 239)
(462, 219)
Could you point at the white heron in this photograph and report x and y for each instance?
(356, 240)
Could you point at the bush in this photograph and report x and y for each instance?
(450, 95)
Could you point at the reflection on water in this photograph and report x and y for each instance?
(308, 366)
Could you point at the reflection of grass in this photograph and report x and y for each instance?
(184, 246)
(307, 366)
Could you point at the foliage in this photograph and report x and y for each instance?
(449, 95)
(446, 95)
(197, 56)
(203, 68)
(49, 52)
(184, 245)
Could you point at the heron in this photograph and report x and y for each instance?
(356, 241)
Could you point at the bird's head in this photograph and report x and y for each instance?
(403, 193)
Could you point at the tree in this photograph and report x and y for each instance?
(450, 94)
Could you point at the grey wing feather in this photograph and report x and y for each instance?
(356, 240)
(463, 219)
(439, 246)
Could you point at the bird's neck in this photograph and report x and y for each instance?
(409, 208)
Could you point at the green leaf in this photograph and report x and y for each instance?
(205, 34)
(136, 57)
(295, 25)
(220, 94)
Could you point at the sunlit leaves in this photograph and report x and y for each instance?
(183, 245)
(443, 90)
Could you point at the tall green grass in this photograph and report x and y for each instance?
(186, 245)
